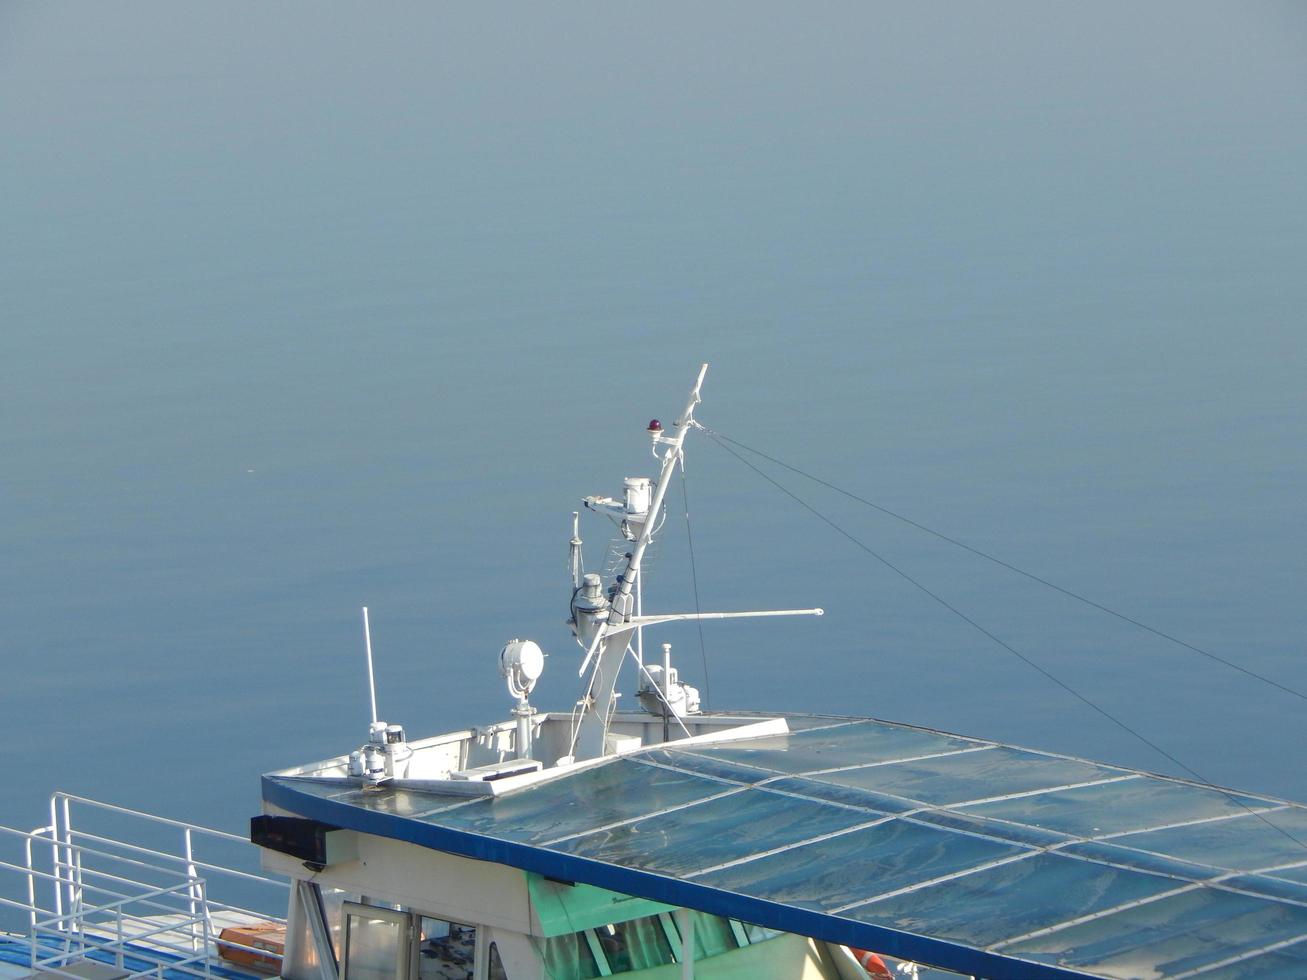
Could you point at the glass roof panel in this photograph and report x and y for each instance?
(979, 909)
(857, 743)
(967, 823)
(842, 795)
(619, 790)
(1129, 805)
(1298, 874)
(707, 766)
(1269, 887)
(715, 832)
(1107, 852)
(397, 802)
(833, 873)
(951, 779)
(1288, 961)
(801, 723)
(1243, 842)
(1188, 931)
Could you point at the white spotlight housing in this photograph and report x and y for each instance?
(521, 663)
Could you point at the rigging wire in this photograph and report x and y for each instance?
(694, 579)
(1000, 642)
(1010, 567)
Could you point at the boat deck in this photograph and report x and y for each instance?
(106, 964)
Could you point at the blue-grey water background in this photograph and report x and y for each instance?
(309, 306)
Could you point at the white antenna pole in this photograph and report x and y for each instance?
(372, 684)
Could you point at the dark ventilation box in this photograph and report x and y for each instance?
(313, 842)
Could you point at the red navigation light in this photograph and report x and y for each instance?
(655, 426)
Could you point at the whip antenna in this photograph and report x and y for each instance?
(372, 684)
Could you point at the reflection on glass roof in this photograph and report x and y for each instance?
(1171, 937)
(842, 871)
(978, 908)
(1135, 804)
(1088, 869)
(683, 842)
(959, 777)
(855, 743)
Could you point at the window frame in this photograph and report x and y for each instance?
(404, 919)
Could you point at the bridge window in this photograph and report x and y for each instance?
(377, 943)
(635, 945)
(446, 950)
(570, 957)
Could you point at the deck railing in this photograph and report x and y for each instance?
(122, 896)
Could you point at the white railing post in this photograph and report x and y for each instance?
(31, 884)
(118, 955)
(190, 873)
(54, 862)
(208, 937)
(77, 871)
(73, 923)
(74, 891)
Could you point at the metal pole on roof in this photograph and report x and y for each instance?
(372, 684)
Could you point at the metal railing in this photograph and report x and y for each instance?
(117, 899)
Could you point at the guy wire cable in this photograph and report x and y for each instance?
(1228, 794)
(1010, 567)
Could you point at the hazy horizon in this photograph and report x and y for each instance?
(304, 308)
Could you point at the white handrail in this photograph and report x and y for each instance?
(153, 908)
(144, 897)
(149, 817)
(167, 857)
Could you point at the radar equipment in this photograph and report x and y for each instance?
(631, 512)
(661, 692)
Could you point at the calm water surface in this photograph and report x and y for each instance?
(306, 307)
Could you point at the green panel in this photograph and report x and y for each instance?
(785, 955)
(563, 908)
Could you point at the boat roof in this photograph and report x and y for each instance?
(968, 854)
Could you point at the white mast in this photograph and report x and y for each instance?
(626, 581)
(372, 683)
(604, 623)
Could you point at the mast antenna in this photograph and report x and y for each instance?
(372, 684)
(607, 622)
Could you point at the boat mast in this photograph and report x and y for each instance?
(626, 581)
(604, 624)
